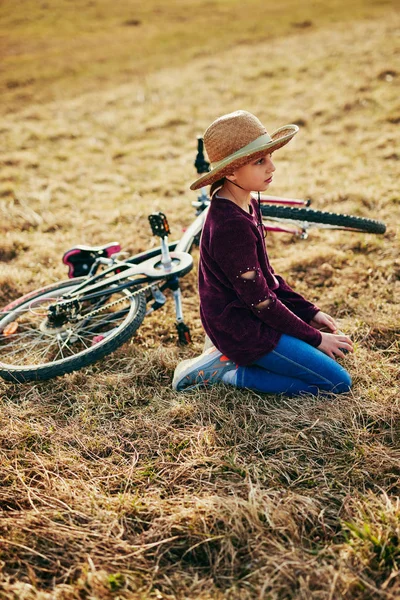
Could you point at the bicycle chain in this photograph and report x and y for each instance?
(115, 302)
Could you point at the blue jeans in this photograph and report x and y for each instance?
(292, 368)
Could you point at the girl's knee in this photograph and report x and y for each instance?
(343, 384)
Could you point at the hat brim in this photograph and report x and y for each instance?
(279, 138)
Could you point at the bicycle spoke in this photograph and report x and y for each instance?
(34, 342)
(32, 310)
(43, 338)
(81, 338)
(30, 346)
(28, 329)
(38, 356)
(94, 328)
(18, 336)
(39, 338)
(60, 351)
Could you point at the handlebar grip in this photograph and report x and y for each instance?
(202, 166)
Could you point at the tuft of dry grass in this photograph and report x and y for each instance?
(114, 486)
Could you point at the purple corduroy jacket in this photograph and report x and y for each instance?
(232, 243)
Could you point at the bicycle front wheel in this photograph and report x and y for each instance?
(307, 218)
(34, 346)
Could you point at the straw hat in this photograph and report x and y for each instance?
(235, 139)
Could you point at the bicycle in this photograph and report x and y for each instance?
(68, 325)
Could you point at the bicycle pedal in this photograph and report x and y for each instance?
(184, 337)
(159, 224)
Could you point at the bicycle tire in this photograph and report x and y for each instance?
(318, 218)
(91, 354)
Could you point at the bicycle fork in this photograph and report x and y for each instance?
(183, 330)
(160, 227)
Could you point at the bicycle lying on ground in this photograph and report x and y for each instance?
(73, 323)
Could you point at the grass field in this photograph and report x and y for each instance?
(64, 47)
(112, 485)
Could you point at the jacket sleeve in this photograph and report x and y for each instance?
(235, 250)
(296, 302)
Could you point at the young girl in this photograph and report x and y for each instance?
(266, 336)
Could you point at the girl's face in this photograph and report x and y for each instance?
(255, 176)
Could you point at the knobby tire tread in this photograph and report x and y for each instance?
(309, 215)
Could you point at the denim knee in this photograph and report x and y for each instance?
(343, 384)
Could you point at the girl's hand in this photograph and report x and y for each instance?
(335, 345)
(322, 321)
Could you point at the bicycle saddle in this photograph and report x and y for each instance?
(81, 258)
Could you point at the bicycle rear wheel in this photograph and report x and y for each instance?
(35, 347)
(307, 217)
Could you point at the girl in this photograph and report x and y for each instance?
(266, 336)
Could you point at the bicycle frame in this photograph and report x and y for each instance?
(83, 318)
(203, 201)
(140, 269)
(152, 272)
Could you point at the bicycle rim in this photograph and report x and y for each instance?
(307, 218)
(34, 348)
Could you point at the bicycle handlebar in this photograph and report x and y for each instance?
(202, 166)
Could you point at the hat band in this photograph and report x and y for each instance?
(254, 145)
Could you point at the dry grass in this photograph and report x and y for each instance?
(52, 49)
(112, 485)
